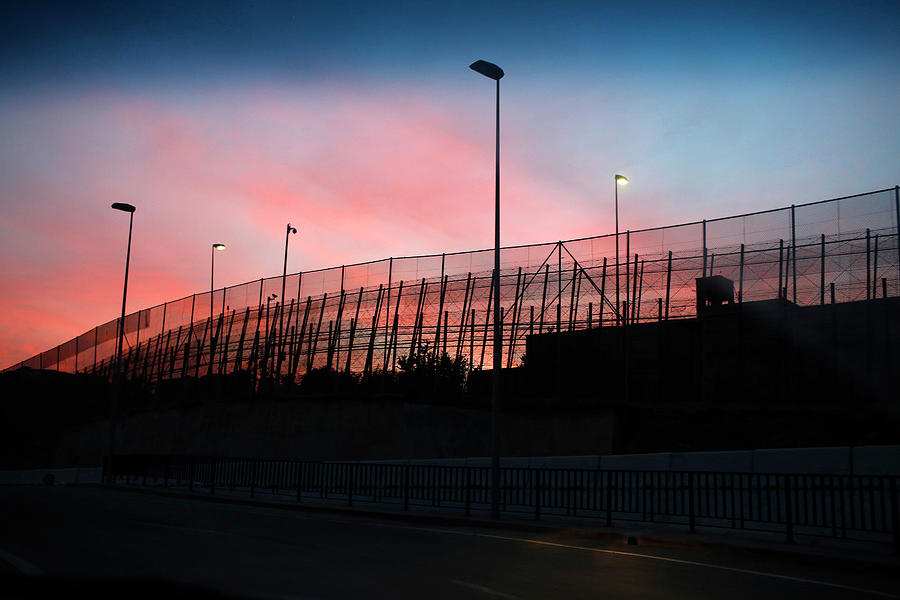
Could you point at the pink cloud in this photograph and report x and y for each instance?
(363, 177)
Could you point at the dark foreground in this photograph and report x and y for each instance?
(115, 544)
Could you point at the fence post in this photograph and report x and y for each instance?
(299, 480)
(468, 491)
(895, 514)
(406, 488)
(868, 264)
(793, 255)
(896, 217)
(350, 484)
(609, 498)
(822, 271)
(537, 495)
(691, 500)
(212, 476)
(253, 478)
(788, 510)
(704, 248)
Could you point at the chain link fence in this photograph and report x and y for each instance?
(364, 317)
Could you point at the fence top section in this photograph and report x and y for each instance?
(838, 219)
(538, 244)
(133, 463)
(864, 461)
(835, 460)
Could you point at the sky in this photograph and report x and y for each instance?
(361, 124)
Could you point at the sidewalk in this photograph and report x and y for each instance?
(806, 548)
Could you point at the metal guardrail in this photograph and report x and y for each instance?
(851, 507)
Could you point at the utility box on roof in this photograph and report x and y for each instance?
(714, 290)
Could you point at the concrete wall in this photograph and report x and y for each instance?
(766, 353)
(847, 460)
(329, 429)
(61, 476)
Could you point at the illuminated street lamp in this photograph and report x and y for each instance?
(620, 180)
(492, 71)
(212, 274)
(287, 237)
(120, 335)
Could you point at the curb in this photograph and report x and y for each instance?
(799, 554)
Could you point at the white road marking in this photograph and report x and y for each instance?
(584, 548)
(693, 563)
(483, 589)
(647, 556)
(19, 563)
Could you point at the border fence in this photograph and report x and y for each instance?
(364, 317)
(851, 507)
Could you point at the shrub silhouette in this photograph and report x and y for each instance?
(426, 371)
(323, 380)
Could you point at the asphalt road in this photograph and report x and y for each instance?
(116, 542)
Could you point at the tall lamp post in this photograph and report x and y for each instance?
(120, 336)
(287, 237)
(620, 180)
(212, 275)
(492, 71)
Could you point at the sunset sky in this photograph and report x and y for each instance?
(361, 124)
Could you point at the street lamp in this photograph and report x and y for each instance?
(620, 180)
(492, 71)
(120, 335)
(212, 275)
(287, 237)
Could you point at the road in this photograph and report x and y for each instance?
(124, 538)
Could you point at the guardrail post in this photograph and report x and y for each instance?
(406, 489)
(895, 514)
(691, 500)
(166, 473)
(253, 478)
(350, 484)
(212, 476)
(191, 474)
(609, 498)
(537, 495)
(468, 491)
(788, 510)
(300, 481)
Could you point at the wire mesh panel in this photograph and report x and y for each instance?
(364, 317)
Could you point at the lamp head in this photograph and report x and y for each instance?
(621, 180)
(219, 246)
(291, 229)
(489, 70)
(123, 207)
